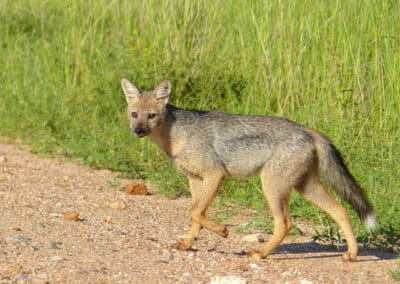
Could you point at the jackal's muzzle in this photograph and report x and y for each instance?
(141, 132)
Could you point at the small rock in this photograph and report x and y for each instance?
(56, 258)
(43, 276)
(52, 245)
(3, 169)
(338, 281)
(22, 276)
(107, 219)
(305, 229)
(253, 238)
(227, 280)
(124, 232)
(49, 209)
(55, 215)
(305, 281)
(253, 265)
(244, 267)
(71, 216)
(3, 158)
(19, 238)
(136, 188)
(118, 205)
(34, 246)
(12, 270)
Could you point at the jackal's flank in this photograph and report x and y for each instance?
(209, 147)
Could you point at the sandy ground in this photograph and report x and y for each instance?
(122, 238)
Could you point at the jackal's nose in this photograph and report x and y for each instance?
(139, 131)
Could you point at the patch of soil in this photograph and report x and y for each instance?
(131, 242)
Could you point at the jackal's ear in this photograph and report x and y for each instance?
(130, 90)
(162, 92)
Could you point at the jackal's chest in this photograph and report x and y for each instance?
(172, 147)
(191, 162)
(188, 168)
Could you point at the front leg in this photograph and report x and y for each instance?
(195, 185)
(203, 192)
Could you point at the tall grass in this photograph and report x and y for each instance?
(332, 65)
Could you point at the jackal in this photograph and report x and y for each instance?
(210, 146)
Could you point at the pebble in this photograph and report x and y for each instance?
(52, 245)
(71, 216)
(34, 246)
(56, 258)
(244, 267)
(22, 276)
(124, 232)
(3, 169)
(253, 238)
(19, 238)
(55, 215)
(136, 188)
(227, 280)
(253, 265)
(107, 219)
(2, 159)
(12, 270)
(118, 205)
(43, 276)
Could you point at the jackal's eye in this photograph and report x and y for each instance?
(151, 115)
(134, 114)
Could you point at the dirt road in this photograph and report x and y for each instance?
(121, 238)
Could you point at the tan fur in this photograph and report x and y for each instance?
(209, 147)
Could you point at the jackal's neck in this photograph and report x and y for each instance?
(167, 135)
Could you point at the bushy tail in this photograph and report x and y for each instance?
(335, 172)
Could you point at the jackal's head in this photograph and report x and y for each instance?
(146, 109)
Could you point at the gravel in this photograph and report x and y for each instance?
(121, 238)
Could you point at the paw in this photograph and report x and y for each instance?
(224, 233)
(181, 245)
(347, 256)
(254, 255)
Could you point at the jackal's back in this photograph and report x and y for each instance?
(239, 144)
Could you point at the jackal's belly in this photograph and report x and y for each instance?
(232, 168)
(246, 160)
(242, 166)
(228, 166)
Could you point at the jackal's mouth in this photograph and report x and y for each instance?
(142, 135)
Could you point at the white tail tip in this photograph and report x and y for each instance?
(370, 222)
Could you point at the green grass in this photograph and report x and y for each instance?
(396, 273)
(331, 65)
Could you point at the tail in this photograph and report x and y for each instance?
(335, 172)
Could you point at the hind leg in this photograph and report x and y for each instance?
(278, 200)
(314, 191)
